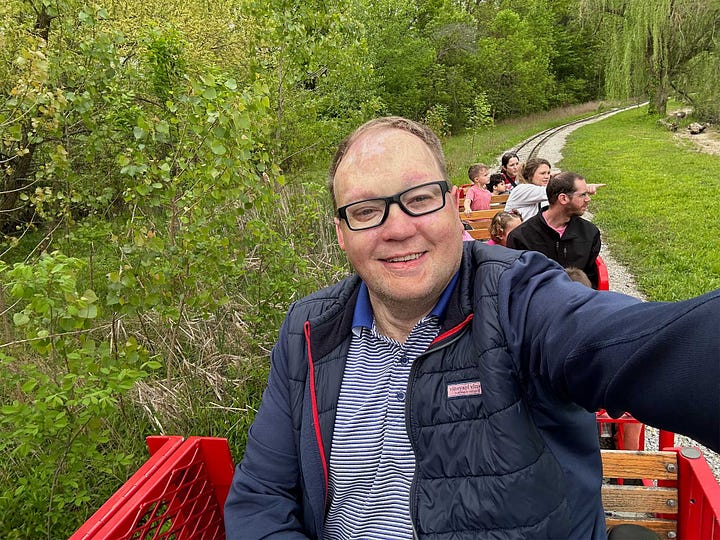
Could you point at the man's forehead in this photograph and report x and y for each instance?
(382, 139)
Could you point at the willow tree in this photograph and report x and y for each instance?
(651, 43)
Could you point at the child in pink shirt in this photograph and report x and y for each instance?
(477, 197)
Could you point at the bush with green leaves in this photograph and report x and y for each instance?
(65, 383)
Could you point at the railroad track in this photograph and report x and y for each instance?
(534, 145)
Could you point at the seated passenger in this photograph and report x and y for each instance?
(477, 197)
(509, 169)
(496, 185)
(560, 233)
(501, 225)
(529, 195)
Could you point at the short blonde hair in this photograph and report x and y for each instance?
(474, 170)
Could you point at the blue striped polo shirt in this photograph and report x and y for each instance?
(371, 461)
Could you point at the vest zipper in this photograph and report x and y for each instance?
(440, 342)
(315, 415)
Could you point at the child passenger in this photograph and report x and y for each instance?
(501, 225)
(477, 197)
(496, 186)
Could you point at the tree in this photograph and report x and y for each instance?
(313, 57)
(513, 66)
(652, 43)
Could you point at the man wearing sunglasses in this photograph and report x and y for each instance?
(448, 390)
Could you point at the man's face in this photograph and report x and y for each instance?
(579, 199)
(407, 261)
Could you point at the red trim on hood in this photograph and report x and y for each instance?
(313, 400)
(454, 330)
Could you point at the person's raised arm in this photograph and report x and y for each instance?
(660, 361)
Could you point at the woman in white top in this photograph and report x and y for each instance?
(529, 195)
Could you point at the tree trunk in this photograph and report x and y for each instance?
(658, 94)
(18, 170)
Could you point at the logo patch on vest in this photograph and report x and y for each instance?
(464, 389)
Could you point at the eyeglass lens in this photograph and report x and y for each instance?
(415, 201)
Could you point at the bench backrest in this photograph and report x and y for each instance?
(496, 201)
(641, 504)
(500, 199)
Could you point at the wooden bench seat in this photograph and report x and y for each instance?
(480, 220)
(496, 201)
(479, 234)
(480, 215)
(655, 503)
(499, 199)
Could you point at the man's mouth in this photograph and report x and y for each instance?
(404, 258)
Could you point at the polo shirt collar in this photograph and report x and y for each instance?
(363, 315)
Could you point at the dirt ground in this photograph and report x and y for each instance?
(708, 141)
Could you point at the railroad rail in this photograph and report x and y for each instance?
(532, 146)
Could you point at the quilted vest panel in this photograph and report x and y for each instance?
(482, 468)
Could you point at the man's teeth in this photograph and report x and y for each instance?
(405, 258)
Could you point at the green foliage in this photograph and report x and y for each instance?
(402, 55)
(514, 65)
(312, 57)
(165, 61)
(437, 120)
(481, 115)
(657, 210)
(63, 388)
(652, 43)
(700, 84)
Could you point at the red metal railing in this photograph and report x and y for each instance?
(603, 277)
(699, 497)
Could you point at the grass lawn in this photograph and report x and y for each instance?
(660, 210)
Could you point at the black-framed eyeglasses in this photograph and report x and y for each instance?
(416, 201)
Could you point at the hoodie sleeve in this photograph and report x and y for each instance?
(660, 361)
(524, 194)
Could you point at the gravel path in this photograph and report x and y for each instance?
(621, 280)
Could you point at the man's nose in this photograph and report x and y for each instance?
(398, 220)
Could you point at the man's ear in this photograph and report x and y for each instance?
(339, 233)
